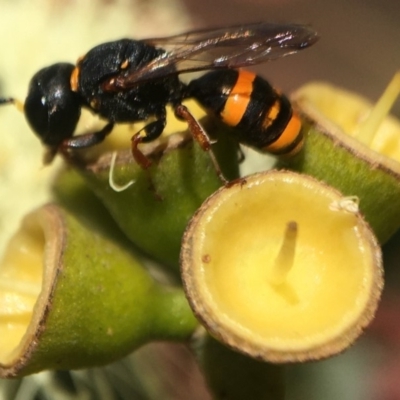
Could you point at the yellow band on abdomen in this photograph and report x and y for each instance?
(238, 99)
(288, 136)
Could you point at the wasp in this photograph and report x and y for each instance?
(133, 80)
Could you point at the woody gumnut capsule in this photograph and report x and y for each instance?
(72, 299)
(353, 146)
(282, 268)
(154, 205)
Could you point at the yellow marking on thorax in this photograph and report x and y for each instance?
(74, 80)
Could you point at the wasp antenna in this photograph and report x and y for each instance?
(10, 100)
(115, 186)
(6, 101)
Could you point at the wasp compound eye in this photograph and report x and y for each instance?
(51, 107)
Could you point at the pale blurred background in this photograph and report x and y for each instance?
(359, 46)
(359, 49)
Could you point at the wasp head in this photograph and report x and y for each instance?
(51, 108)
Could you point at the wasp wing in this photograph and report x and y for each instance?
(231, 47)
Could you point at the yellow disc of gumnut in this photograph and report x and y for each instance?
(355, 147)
(282, 267)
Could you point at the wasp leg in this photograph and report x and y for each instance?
(84, 141)
(152, 130)
(87, 139)
(200, 136)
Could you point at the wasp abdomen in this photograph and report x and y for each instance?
(263, 117)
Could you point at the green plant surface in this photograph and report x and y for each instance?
(97, 303)
(153, 212)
